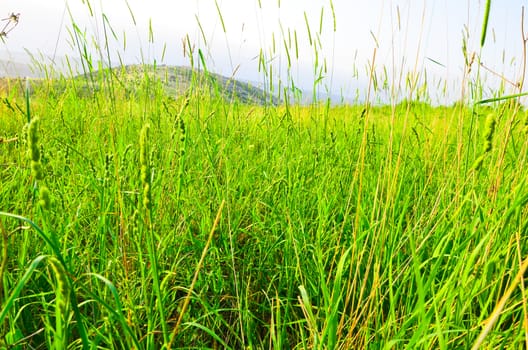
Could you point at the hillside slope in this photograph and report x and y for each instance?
(177, 80)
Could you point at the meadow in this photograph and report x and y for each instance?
(135, 219)
(200, 223)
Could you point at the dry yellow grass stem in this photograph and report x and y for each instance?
(498, 309)
(195, 278)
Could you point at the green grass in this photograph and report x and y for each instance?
(132, 217)
(342, 229)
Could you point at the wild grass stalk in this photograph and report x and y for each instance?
(195, 278)
(62, 304)
(4, 257)
(180, 126)
(146, 183)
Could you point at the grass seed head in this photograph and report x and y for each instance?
(478, 163)
(63, 290)
(144, 165)
(133, 228)
(143, 155)
(489, 130)
(146, 196)
(37, 170)
(34, 152)
(45, 199)
(182, 137)
(32, 139)
(180, 123)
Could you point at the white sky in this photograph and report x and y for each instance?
(409, 35)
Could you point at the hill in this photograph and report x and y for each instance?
(177, 80)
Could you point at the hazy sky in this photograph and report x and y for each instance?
(407, 35)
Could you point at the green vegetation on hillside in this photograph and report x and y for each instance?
(177, 81)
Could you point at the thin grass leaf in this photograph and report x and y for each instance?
(308, 29)
(502, 98)
(436, 62)
(321, 19)
(131, 12)
(202, 60)
(332, 321)
(201, 31)
(221, 17)
(150, 32)
(307, 309)
(28, 108)
(485, 23)
(8, 304)
(333, 15)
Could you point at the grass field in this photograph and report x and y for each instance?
(339, 227)
(135, 219)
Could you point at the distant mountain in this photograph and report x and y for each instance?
(177, 80)
(15, 70)
(25, 64)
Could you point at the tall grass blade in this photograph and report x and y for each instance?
(502, 98)
(485, 23)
